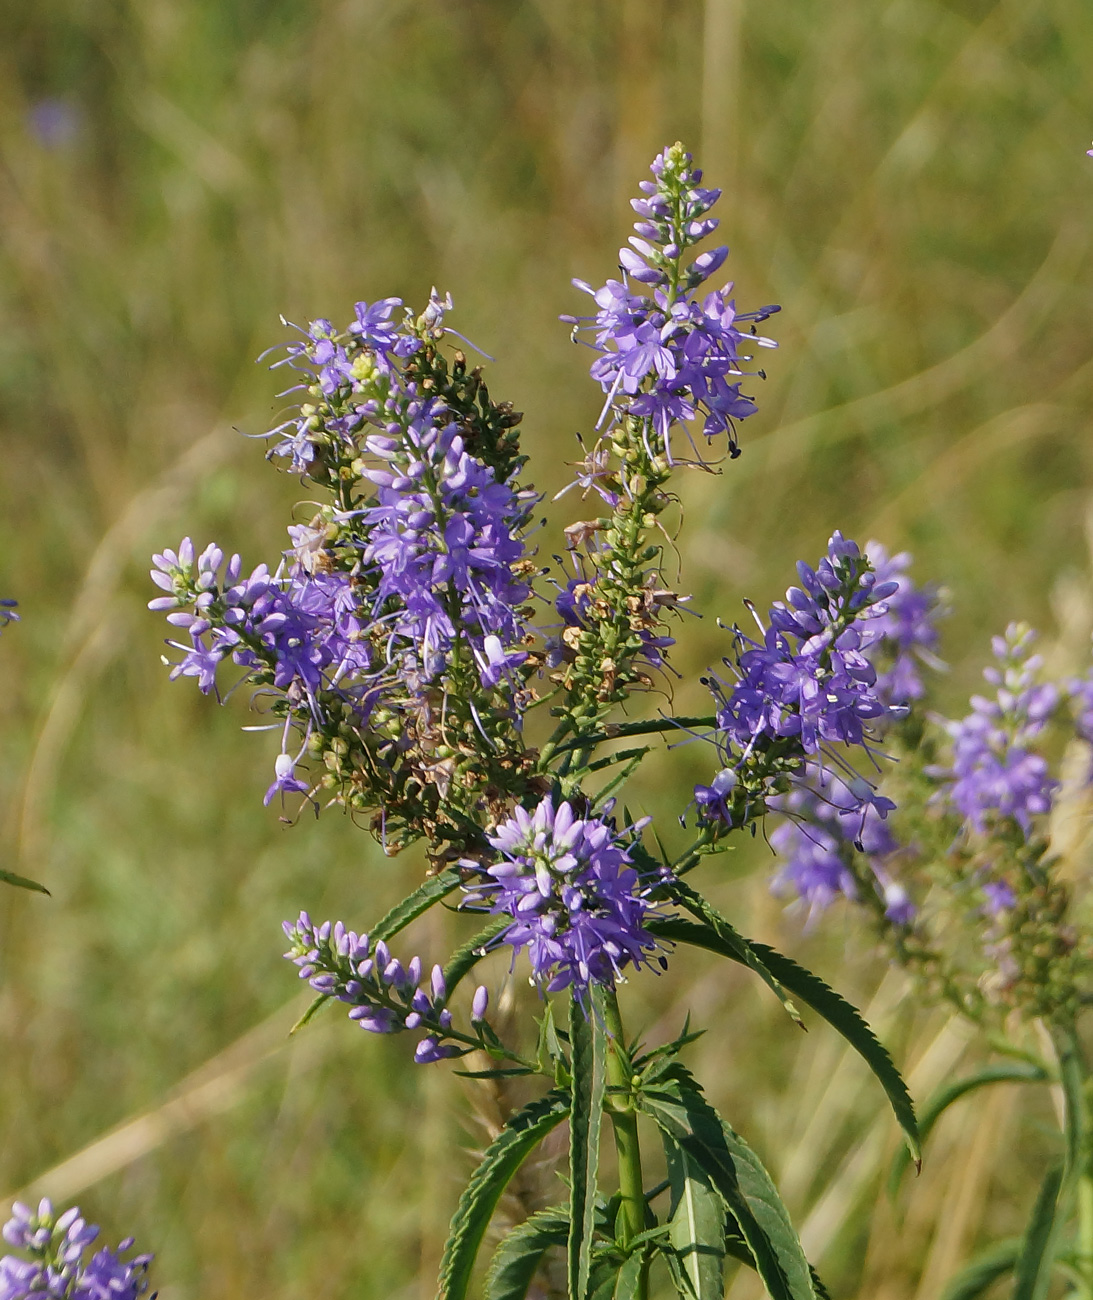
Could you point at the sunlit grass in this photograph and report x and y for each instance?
(907, 179)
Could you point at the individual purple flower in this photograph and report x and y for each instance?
(577, 903)
(7, 613)
(995, 773)
(57, 1263)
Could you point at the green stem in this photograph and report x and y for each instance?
(624, 1122)
(1085, 1234)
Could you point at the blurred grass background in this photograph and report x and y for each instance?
(906, 177)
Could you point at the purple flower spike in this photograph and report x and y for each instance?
(576, 901)
(59, 1266)
(995, 772)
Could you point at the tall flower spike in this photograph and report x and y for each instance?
(667, 355)
(995, 771)
(808, 685)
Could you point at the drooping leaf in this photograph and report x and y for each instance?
(697, 1223)
(1032, 1271)
(935, 1107)
(587, 1039)
(680, 1110)
(504, 1156)
(978, 1276)
(518, 1257)
(742, 949)
(22, 882)
(413, 905)
(823, 999)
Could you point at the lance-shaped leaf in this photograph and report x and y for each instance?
(504, 1156)
(737, 1248)
(731, 940)
(1032, 1271)
(823, 999)
(520, 1254)
(413, 905)
(22, 882)
(588, 1045)
(464, 959)
(681, 1111)
(697, 1223)
(630, 1276)
(977, 1277)
(940, 1101)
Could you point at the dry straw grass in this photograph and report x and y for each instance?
(907, 178)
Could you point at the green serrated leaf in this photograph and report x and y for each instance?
(697, 1223)
(935, 1107)
(413, 905)
(977, 1277)
(631, 1276)
(743, 950)
(680, 1110)
(316, 1005)
(737, 1248)
(588, 1041)
(823, 999)
(22, 882)
(1032, 1270)
(518, 1257)
(504, 1156)
(464, 959)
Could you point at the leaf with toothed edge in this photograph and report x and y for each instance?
(823, 999)
(505, 1154)
(588, 1041)
(415, 904)
(681, 1111)
(520, 1253)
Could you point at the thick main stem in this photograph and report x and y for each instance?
(624, 1122)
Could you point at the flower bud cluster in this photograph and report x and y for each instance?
(577, 903)
(384, 995)
(393, 637)
(57, 1262)
(810, 684)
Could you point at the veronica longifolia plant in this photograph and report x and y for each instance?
(403, 643)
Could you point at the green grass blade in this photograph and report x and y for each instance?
(697, 1223)
(940, 1101)
(517, 1258)
(1032, 1271)
(978, 1276)
(589, 1056)
(504, 1156)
